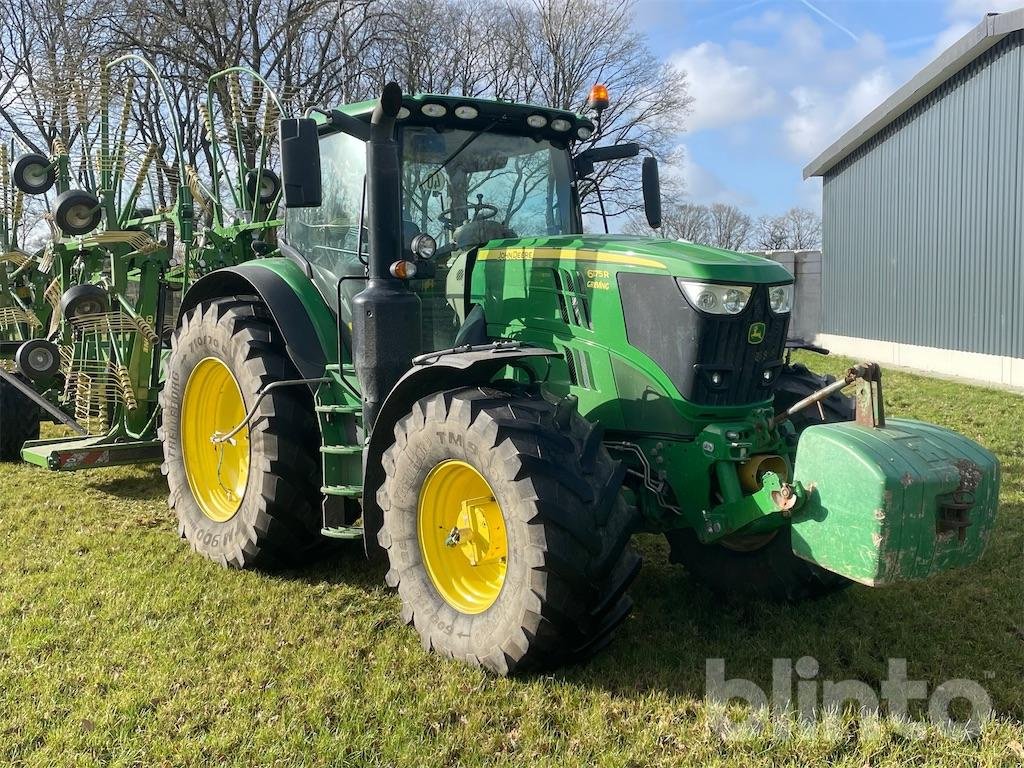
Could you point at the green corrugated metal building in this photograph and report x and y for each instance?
(923, 216)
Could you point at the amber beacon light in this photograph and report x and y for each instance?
(598, 98)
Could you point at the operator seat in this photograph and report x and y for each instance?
(481, 231)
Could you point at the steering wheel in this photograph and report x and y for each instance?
(481, 212)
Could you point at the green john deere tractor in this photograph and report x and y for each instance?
(441, 363)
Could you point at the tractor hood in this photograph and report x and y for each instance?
(626, 253)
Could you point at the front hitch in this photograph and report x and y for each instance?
(870, 407)
(774, 499)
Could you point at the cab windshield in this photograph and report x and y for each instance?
(493, 186)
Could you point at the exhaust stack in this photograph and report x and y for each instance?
(386, 314)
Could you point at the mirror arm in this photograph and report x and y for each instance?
(339, 121)
(585, 160)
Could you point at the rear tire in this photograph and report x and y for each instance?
(19, 422)
(770, 571)
(276, 521)
(567, 528)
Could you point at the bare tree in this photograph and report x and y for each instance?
(726, 226)
(771, 234)
(730, 227)
(688, 222)
(679, 221)
(46, 47)
(569, 52)
(804, 229)
(548, 53)
(315, 52)
(329, 52)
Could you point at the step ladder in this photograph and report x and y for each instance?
(341, 460)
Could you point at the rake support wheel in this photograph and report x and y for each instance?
(77, 212)
(34, 174)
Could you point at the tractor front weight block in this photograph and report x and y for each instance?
(892, 503)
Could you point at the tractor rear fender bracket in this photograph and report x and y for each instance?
(435, 373)
(303, 331)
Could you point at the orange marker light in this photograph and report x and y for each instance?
(598, 97)
(403, 270)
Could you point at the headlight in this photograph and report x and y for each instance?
(715, 299)
(780, 298)
(424, 246)
(433, 109)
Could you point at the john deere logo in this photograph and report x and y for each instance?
(755, 334)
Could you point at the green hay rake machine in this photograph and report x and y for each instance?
(86, 318)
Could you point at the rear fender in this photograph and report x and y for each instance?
(306, 323)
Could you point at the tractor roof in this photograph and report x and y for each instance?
(429, 109)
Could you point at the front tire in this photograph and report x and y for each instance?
(250, 504)
(769, 571)
(532, 572)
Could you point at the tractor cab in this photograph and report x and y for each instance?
(472, 171)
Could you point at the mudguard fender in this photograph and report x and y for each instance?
(306, 323)
(434, 372)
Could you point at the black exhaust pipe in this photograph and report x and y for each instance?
(386, 314)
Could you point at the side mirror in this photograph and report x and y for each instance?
(652, 191)
(300, 163)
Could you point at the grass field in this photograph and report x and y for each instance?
(119, 647)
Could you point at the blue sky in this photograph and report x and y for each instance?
(776, 81)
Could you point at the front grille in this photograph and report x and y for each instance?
(692, 347)
(723, 348)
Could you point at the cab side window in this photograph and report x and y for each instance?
(328, 236)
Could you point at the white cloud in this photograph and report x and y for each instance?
(820, 116)
(964, 15)
(782, 83)
(724, 92)
(704, 186)
(950, 35)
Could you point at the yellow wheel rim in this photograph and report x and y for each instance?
(462, 536)
(216, 472)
